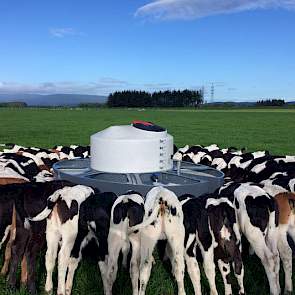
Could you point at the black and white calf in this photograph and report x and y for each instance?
(211, 225)
(62, 228)
(22, 165)
(257, 214)
(127, 211)
(163, 220)
(73, 151)
(280, 186)
(94, 223)
(237, 166)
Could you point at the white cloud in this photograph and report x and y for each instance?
(101, 86)
(64, 32)
(191, 9)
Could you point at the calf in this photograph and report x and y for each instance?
(11, 147)
(286, 205)
(62, 227)
(22, 164)
(258, 220)
(81, 151)
(211, 224)
(237, 166)
(163, 220)
(263, 168)
(8, 219)
(179, 153)
(73, 151)
(278, 183)
(94, 223)
(280, 186)
(127, 211)
(8, 193)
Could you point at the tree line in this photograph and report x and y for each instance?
(168, 98)
(271, 102)
(13, 104)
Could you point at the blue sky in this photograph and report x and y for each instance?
(245, 47)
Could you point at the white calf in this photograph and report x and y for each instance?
(256, 212)
(163, 221)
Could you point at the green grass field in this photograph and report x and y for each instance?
(256, 129)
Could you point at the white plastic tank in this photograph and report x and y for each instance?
(139, 148)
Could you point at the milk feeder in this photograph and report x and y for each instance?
(137, 157)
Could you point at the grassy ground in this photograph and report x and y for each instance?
(252, 128)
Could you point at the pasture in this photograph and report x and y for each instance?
(255, 129)
(271, 129)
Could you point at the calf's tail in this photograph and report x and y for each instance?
(151, 218)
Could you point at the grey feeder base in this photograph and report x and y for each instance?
(184, 178)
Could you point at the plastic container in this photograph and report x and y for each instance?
(129, 149)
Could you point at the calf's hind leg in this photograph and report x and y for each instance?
(52, 238)
(224, 268)
(267, 259)
(194, 273)
(115, 244)
(176, 242)
(134, 263)
(7, 255)
(33, 248)
(239, 272)
(7, 258)
(286, 257)
(63, 261)
(209, 268)
(76, 256)
(149, 238)
(24, 271)
(17, 250)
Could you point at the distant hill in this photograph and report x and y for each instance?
(53, 99)
(232, 103)
(239, 103)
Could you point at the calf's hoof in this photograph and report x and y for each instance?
(288, 292)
